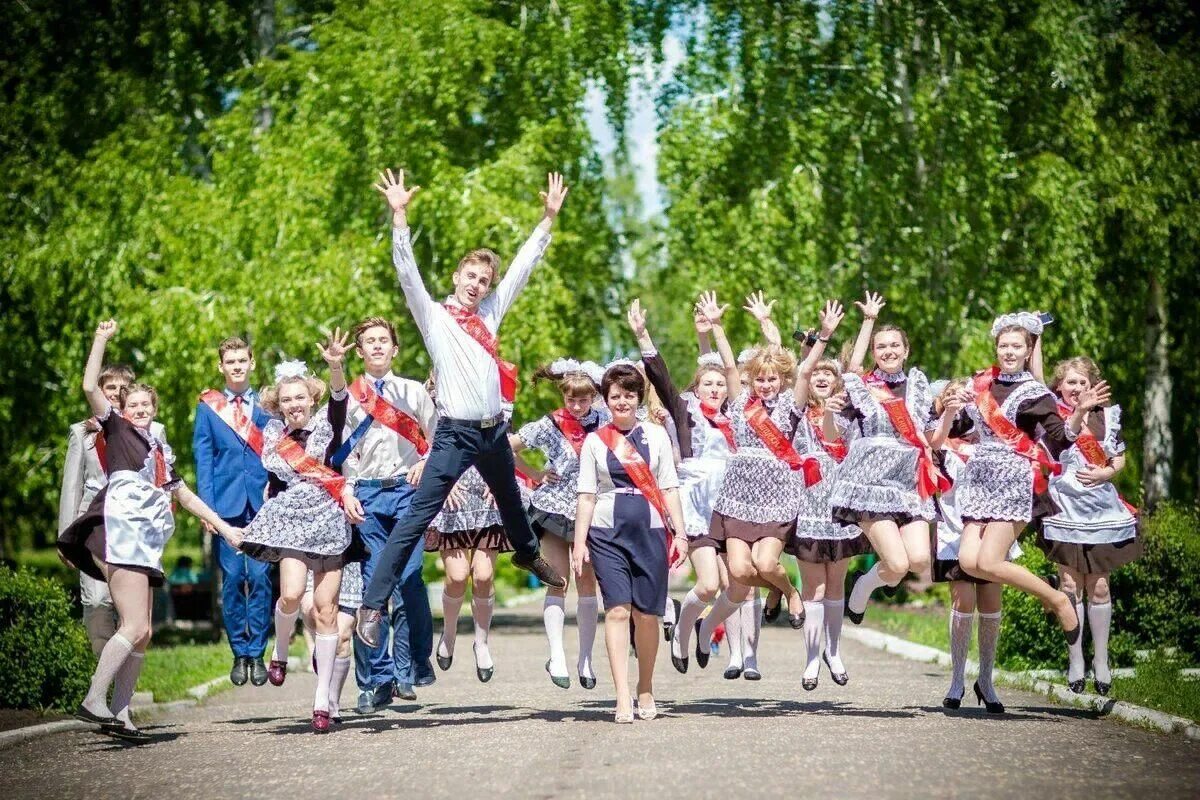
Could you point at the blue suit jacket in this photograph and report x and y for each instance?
(229, 474)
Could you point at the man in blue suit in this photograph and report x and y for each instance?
(227, 443)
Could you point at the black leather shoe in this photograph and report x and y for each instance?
(425, 674)
(751, 674)
(952, 702)
(239, 672)
(84, 715)
(853, 616)
(563, 682)
(131, 735)
(1054, 584)
(796, 621)
(992, 708)
(840, 678)
(809, 684)
(702, 652)
(771, 613)
(680, 664)
(444, 662)
(375, 699)
(484, 674)
(1077, 686)
(586, 682)
(1101, 687)
(258, 671)
(733, 673)
(1072, 635)
(403, 691)
(541, 568)
(366, 627)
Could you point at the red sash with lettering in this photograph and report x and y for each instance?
(1092, 450)
(387, 415)
(310, 468)
(721, 423)
(929, 478)
(1008, 432)
(474, 327)
(247, 431)
(638, 471)
(570, 427)
(837, 449)
(761, 423)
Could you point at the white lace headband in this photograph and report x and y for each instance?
(1022, 319)
(710, 360)
(566, 366)
(290, 369)
(745, 356)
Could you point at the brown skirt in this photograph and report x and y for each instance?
(1091, 558)
(492, 537)
(850, 516)
(544, 523)
(827, 551)
(723, 527)
(696, 542)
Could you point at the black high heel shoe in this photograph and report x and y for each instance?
(840, 678)
(953, 702)
(771, 613)
(1101, 687)
(1077, 686)
(703, 649)
(992, 708)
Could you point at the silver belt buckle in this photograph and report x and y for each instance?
(490, 422)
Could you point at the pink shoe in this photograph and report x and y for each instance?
(320, 722)
(277, 672)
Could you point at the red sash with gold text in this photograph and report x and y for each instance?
(247, 431)
(765, 428)
(570, 427)
(721, 423)
(474, 327)
(638, 471)
(929, 477)
(310, 468)
(1008, 432)
(387, 415)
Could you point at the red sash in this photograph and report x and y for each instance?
(1009, 433)
(836, 449)
(570, 427)
(387, 415)
(638, 471)
(474, 327)
(929, 477)
(310, 468)
(523, 476)
(1091, 449)
(247, 431)
(761, 423)
(101, 445)
(721, 423)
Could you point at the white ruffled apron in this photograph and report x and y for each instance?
(137, 521)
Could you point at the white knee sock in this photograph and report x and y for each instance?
(481, 612)
(1075, 665)
(734, 635)
(325, 648)
(451, 606)
(123, 686)
(751, 628)
(1100, 620)
(861, 593)
(341, 669)
(285, 626)
(554, 615)
(814, 626)
(586, 611)
(112, 658)
(989, 635)
(960, 646)
(720, 612)
(835, 611)
(689, 612)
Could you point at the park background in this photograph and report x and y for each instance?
(201, 168)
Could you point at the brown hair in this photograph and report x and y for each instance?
(952, 385)
(120, 371)
(270, 395)
(572, 384)
(772, 359)
(134, 388)
(483, 256)
(231, 344)
(701, 372)
(1081, 364)
(887, 328)
(374, 322)
(827, 365)
(1016, 329)
(627, 377)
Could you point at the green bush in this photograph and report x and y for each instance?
(44, 653)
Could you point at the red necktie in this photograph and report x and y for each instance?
(239, 416)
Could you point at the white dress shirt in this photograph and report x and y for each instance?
(381, 452)
(468, 380)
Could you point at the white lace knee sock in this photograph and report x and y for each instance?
(960, 646)
(989, 635)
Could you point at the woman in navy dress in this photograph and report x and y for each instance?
(627, 481)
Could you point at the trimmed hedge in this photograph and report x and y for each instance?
(45, 657)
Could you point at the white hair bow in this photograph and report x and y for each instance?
(1023, 319)
(745, 356)
(564, 366)
(593, 371)
(710, 360)
(290, 369)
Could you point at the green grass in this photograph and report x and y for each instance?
(927, 626)
(179, 660)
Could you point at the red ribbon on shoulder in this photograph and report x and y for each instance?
(761, 423)
(1092, 450)
(240, 423)
(570, 427)
(721, 423)
(638, 470)
(386, 414)
(1008, 432)
(310, 468)
(929, 478)
(474, 327)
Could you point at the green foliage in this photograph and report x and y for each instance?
(44, 651)
(1028, 639)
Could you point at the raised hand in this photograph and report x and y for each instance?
(555, 194)
(334, 350)
(392, 187)
(708, 306)
(700, 321)
(835, 403)
(637, 318)
(107, 329)
(1094, 396)
(756, 305)
(831, 317)
(871, 306)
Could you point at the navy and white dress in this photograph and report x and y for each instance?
(350, 590)
(627, 537)
(819, 539)
(1093, 531)
(300, 519)
(129, 521)
(878, 478)
(553, 504)
(474, 525)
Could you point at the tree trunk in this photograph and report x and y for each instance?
(264, 37)
(1157, 444)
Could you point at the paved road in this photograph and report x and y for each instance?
(883, 735)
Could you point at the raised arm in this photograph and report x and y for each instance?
(831, 317)
(761, 310)
(872, 304)
(398, 196)
(91, 373)
(1035, 360)
(518, 272)
(703, 329)
(333, 351)
(713, 312)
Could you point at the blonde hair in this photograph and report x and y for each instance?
(772, 359)
(134, 388)
(939, 402)
(701, 372)
(1081, 364)
(826, 365)
(270, 395)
